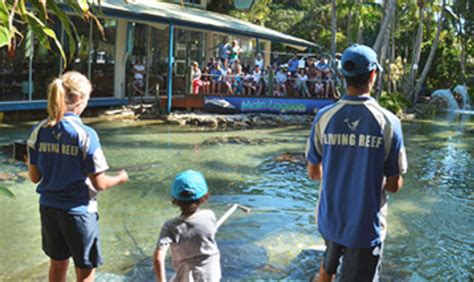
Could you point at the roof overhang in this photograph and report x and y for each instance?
(165, 13)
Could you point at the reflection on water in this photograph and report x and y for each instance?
(430, 221)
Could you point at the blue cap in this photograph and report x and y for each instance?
(358, 59)
(190, 181)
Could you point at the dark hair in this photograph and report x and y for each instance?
(188, 208)
(358, 81)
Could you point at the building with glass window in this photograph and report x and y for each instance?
(160, 39)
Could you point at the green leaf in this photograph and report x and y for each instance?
(7, 193)
(84, 5)
(49, 32)
(68, 27)
(3, 14)
(5, 36)
(44, 33)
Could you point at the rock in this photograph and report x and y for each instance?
(23, 174)
(238, 121)
(291, 157)
(7, 176)
(238, 140)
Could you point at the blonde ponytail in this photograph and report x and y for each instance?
(56, 101)
(61, 92)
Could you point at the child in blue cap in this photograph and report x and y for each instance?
(191, 235)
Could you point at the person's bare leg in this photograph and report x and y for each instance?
(85, 274)
(58, 270)
(324, 276)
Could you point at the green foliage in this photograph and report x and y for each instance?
(360, 21)
(394, 102)
(35, 15)
(4, 192)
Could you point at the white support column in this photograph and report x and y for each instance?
(267, 49)
(120, 67)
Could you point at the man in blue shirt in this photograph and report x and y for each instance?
(356, 149)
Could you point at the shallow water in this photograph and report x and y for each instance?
(430, 220)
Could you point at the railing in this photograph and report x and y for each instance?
(246, 85)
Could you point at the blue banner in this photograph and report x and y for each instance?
(242, 104)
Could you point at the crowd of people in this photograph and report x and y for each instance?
(300, 77)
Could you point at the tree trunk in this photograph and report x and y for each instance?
(385, 25)
(383, 52)
(359, 28)
(333, 28)
(434, 46)
(463, 41)
(349, 27)
(415, 55)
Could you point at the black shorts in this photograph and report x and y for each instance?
(65, 235)
(358, 264)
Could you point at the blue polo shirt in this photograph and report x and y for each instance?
(359, 143)
(65, 155)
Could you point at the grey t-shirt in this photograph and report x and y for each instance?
(195, 256)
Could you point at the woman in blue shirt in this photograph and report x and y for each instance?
(65, 159)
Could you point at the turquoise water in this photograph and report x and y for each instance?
(430, 220)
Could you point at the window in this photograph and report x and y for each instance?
(14, 65)
(46, 64)
(102, 59)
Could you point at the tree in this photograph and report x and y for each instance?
(35, 14)
(384, 29)
(434, 46)
(410, 83)
(333, 28)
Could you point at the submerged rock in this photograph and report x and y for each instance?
(238, 140)
(7, 176)
(291, 157)
(238, 121)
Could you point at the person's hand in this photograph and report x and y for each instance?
(123, 176)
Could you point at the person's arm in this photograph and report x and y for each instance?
(95, 165)
(159, 265)
(394, 183)
(315, 171)
(33, 172)
(102, 181)
(396, 162)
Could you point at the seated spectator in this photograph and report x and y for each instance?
(293, 65)
(319, 87)
(238, 82)
(280, 78)
(235, 66)
(226, 76)
(216, 78)
(211, 63)
(196, 76)
(323, 66)
(206, 80)
(257, 80)
(300, 84)
(329, 85)
(259, 61)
